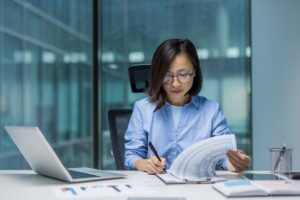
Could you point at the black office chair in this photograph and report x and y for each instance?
(139, 76)
(118, 118)
(118, 122)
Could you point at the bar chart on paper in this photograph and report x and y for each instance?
(99, 190)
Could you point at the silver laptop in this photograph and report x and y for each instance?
(43, 160)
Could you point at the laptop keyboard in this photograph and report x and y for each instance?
(77, 175)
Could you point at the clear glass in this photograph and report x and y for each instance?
(130, 31)
(281, 161)
(45, 77)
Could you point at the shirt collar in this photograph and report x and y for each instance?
(193, 102)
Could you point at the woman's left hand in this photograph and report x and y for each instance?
(238, 160)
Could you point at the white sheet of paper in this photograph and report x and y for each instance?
(200, 159)
(100, 190)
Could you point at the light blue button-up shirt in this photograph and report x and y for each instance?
(200, 119)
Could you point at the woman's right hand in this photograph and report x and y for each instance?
(151, 165)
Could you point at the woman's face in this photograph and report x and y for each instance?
(179, 80)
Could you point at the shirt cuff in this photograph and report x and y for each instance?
(131, 162)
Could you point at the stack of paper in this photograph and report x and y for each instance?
(197, 163)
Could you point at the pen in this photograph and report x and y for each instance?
(280, 157)
(154, 151)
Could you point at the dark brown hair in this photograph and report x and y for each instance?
(161, 61)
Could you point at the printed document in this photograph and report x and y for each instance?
(100, 190)
(197, 163)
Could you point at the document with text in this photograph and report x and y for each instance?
(197, 163)
(95, 190)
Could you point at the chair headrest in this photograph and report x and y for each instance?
(139, 76)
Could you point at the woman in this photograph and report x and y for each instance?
(173, 117)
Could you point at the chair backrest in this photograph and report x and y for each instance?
(118, 119)
(118, 122)
(139, 76)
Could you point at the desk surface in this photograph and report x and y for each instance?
(25, 184)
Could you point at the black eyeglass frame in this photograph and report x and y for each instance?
(177, 76)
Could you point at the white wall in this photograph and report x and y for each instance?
(275, 78)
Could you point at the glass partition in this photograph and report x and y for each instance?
(130, 31)
(45, 76)
(46, 65)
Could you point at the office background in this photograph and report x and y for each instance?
(46, 65)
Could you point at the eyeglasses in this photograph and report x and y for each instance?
(182, 78)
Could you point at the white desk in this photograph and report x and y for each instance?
(24, 184)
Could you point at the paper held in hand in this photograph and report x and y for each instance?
(197, 163)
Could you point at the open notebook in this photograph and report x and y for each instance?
(197, 163)
(245, 188)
